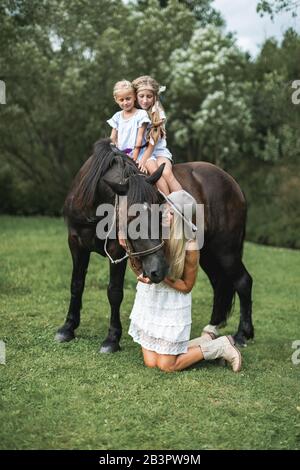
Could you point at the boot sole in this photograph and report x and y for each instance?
(231, 341)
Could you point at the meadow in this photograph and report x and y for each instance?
(69, 396)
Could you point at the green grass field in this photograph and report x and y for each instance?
(69, 396)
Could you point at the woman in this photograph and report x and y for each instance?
(161, 314)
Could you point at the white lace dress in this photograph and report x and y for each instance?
(161, 318)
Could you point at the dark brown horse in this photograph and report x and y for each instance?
(221, 255)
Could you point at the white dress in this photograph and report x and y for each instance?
(161, 318)
(128, 129)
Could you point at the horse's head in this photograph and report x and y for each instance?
(138, 218)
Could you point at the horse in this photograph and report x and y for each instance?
(109, 172)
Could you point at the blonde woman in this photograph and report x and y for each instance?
(161, 314)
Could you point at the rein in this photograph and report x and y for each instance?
(129, 252)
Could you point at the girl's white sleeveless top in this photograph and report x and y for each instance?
(128, 128)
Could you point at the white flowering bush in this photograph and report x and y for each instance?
(209, 113)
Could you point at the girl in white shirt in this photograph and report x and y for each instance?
(147, 90)
(129, 124)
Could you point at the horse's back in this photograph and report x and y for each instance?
(208, 182)
(224, 202)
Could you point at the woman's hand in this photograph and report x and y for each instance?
(143, 279)
(122, 239)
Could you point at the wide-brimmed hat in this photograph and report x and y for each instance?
(185, 205)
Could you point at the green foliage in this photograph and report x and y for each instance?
(202, 9)
(209, 113)
(276, 118)
(59, 60)
(273, 201)
(272, 7)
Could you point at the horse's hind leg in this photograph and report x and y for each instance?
(222, 287)
(115, 297)
(243, 285)
(80, 259)
(242, 282)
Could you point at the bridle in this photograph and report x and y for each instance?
(128, 248)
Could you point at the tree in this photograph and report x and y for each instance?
(273, 7)
(276, 118)
(202, 10)
(210, 117)
(59, 61)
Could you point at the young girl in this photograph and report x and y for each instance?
(161, 314)
(128, 125)
(156, 153)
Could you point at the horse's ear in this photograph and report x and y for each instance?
(119, 188)
(156, 175)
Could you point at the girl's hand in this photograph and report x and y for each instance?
(145, 280)
(141, 165)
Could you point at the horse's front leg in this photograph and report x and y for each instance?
(80, 259)
(115, 297)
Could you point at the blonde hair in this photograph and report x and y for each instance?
(176, 248)
(122, 86)
(145, 82)
(157, 129)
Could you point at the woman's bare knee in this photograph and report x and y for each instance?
(150, 358)
(150, 362)
(166, 364)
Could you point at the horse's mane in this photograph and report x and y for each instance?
(85, 184)
(84, 190)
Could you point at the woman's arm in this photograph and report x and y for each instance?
(187, 282)
(114, 136)
(139, 141)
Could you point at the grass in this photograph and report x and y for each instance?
(68, 396)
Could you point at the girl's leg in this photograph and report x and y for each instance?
(150, 358)
(172, 182)
(162, 185)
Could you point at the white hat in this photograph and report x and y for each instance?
(184, 204)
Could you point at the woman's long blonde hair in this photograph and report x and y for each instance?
(157, 129)
(176, 248)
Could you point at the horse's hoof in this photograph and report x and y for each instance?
(64, 336)
(109, 347)
(240, 341)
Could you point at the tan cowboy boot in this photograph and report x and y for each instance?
(200, 340)
(210, 332)
(223, 347)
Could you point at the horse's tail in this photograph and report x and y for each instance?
(95, 167)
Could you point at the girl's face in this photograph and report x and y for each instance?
(125, 100)
(145, 99)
